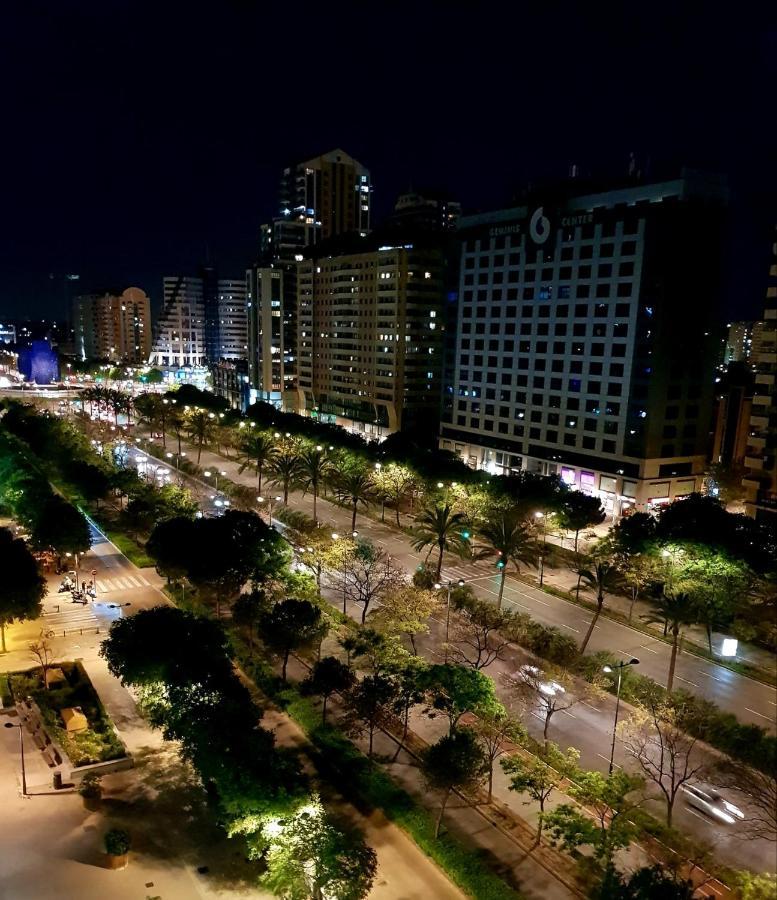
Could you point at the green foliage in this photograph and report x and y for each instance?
(578, 511)
(328, 676)
(117, 842)
(440, 528)
(290, 625)
(23, 586)
(455, 690)
(90, 787)
(757, 887)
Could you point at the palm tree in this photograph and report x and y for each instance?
(676, 610)
(438, 526)
(600, 576)
(511, 538)
(313, 469)
(284, 467)
(354, 485)
(257, 450)
(200, 425)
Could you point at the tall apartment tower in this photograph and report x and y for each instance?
(115, 327)
(738, 342)
(586, 338)
(760, 482)
(324, 197)
(179, 338)
(369, 336)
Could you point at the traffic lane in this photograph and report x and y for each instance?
(587, 726)
(751, 701)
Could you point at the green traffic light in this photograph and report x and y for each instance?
(465, 535)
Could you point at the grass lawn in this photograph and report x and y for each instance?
(98, 742)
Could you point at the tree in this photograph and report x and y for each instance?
(248, 609)
(313, 469)
(549, 692)
(498, 732)
(439, 527)
(369, 704)
(290, 625)
(380, 653)
(607, 797)
(454, 690)
(676, 611)
(201, 426)
(61, 527)
(393, 483)
(23, 585)
(646, 883)
(256, 449)
(368, 575)
(328, 676)
(405, 609)
(455, 762)
(308, 855)
(538, 778)
(478, 633)
(758, 789)
(579, 511)
(511, 539)
(353, 484)
(167, 645)
(284, 467)
(601, 576)
(41, 650)
(408, 678)
(756, 887)
(664, 753)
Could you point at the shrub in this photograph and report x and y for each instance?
(90, 787)
(117, 842)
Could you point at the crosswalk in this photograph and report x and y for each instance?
(467, 572)
(70, 616)
(120, 583)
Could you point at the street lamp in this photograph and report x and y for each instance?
(269, 501)
(20, 726)
(620, 667)
(69, 555)
(438, 586)
(118, 605)
(540, 516)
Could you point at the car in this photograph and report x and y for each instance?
(712, 803)
(533, 676)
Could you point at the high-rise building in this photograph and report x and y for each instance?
(369, 335)
(760, 482)
(272, 337)
(232, 320)
(7, 333)
(179, 336)
(738, 341)
(733, 403)
(113, 326)
(427, 211)
(586, 341)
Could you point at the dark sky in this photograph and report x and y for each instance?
(135, 135)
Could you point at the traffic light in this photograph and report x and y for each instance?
(500, 564)
(465, 535)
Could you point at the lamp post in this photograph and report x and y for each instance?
(540, 516)
(620, 667)
(269, 502)
(20, 726)
(118, 606)
(438, 586)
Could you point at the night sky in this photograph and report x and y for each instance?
(138, 137)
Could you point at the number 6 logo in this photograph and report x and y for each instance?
(539, 227)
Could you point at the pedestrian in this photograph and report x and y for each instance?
(83, 587)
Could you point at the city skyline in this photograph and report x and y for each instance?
(124, 185)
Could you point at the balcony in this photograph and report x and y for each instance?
(759, 423)
(755, 463)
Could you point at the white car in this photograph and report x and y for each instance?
(533, 675)
(712, 803)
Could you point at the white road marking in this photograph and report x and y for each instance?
(567, 713)
(564, 625)
(649, 649)
(708, 675)
(607, 760)
(680, 678)
(590, 705)
(756, 713)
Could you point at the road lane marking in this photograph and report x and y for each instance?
(567, 713)
(680, 678)
(756, 713)
(590, 705)
(649, 649)
(607, 760)
(563, 625)
(701, 672)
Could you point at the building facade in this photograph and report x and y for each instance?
(179, 336)
(737, 343)
(585, 339)
(369, 337)
(760, 482)
(114, 327)
(272, 334)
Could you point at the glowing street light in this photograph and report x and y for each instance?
(620, 667)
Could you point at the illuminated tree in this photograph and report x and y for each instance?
(256, 449)
(438, 527)
(510, 539)
(455, 762)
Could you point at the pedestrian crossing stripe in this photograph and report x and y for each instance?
(467, 573)
(68, 617)
(123, 583)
